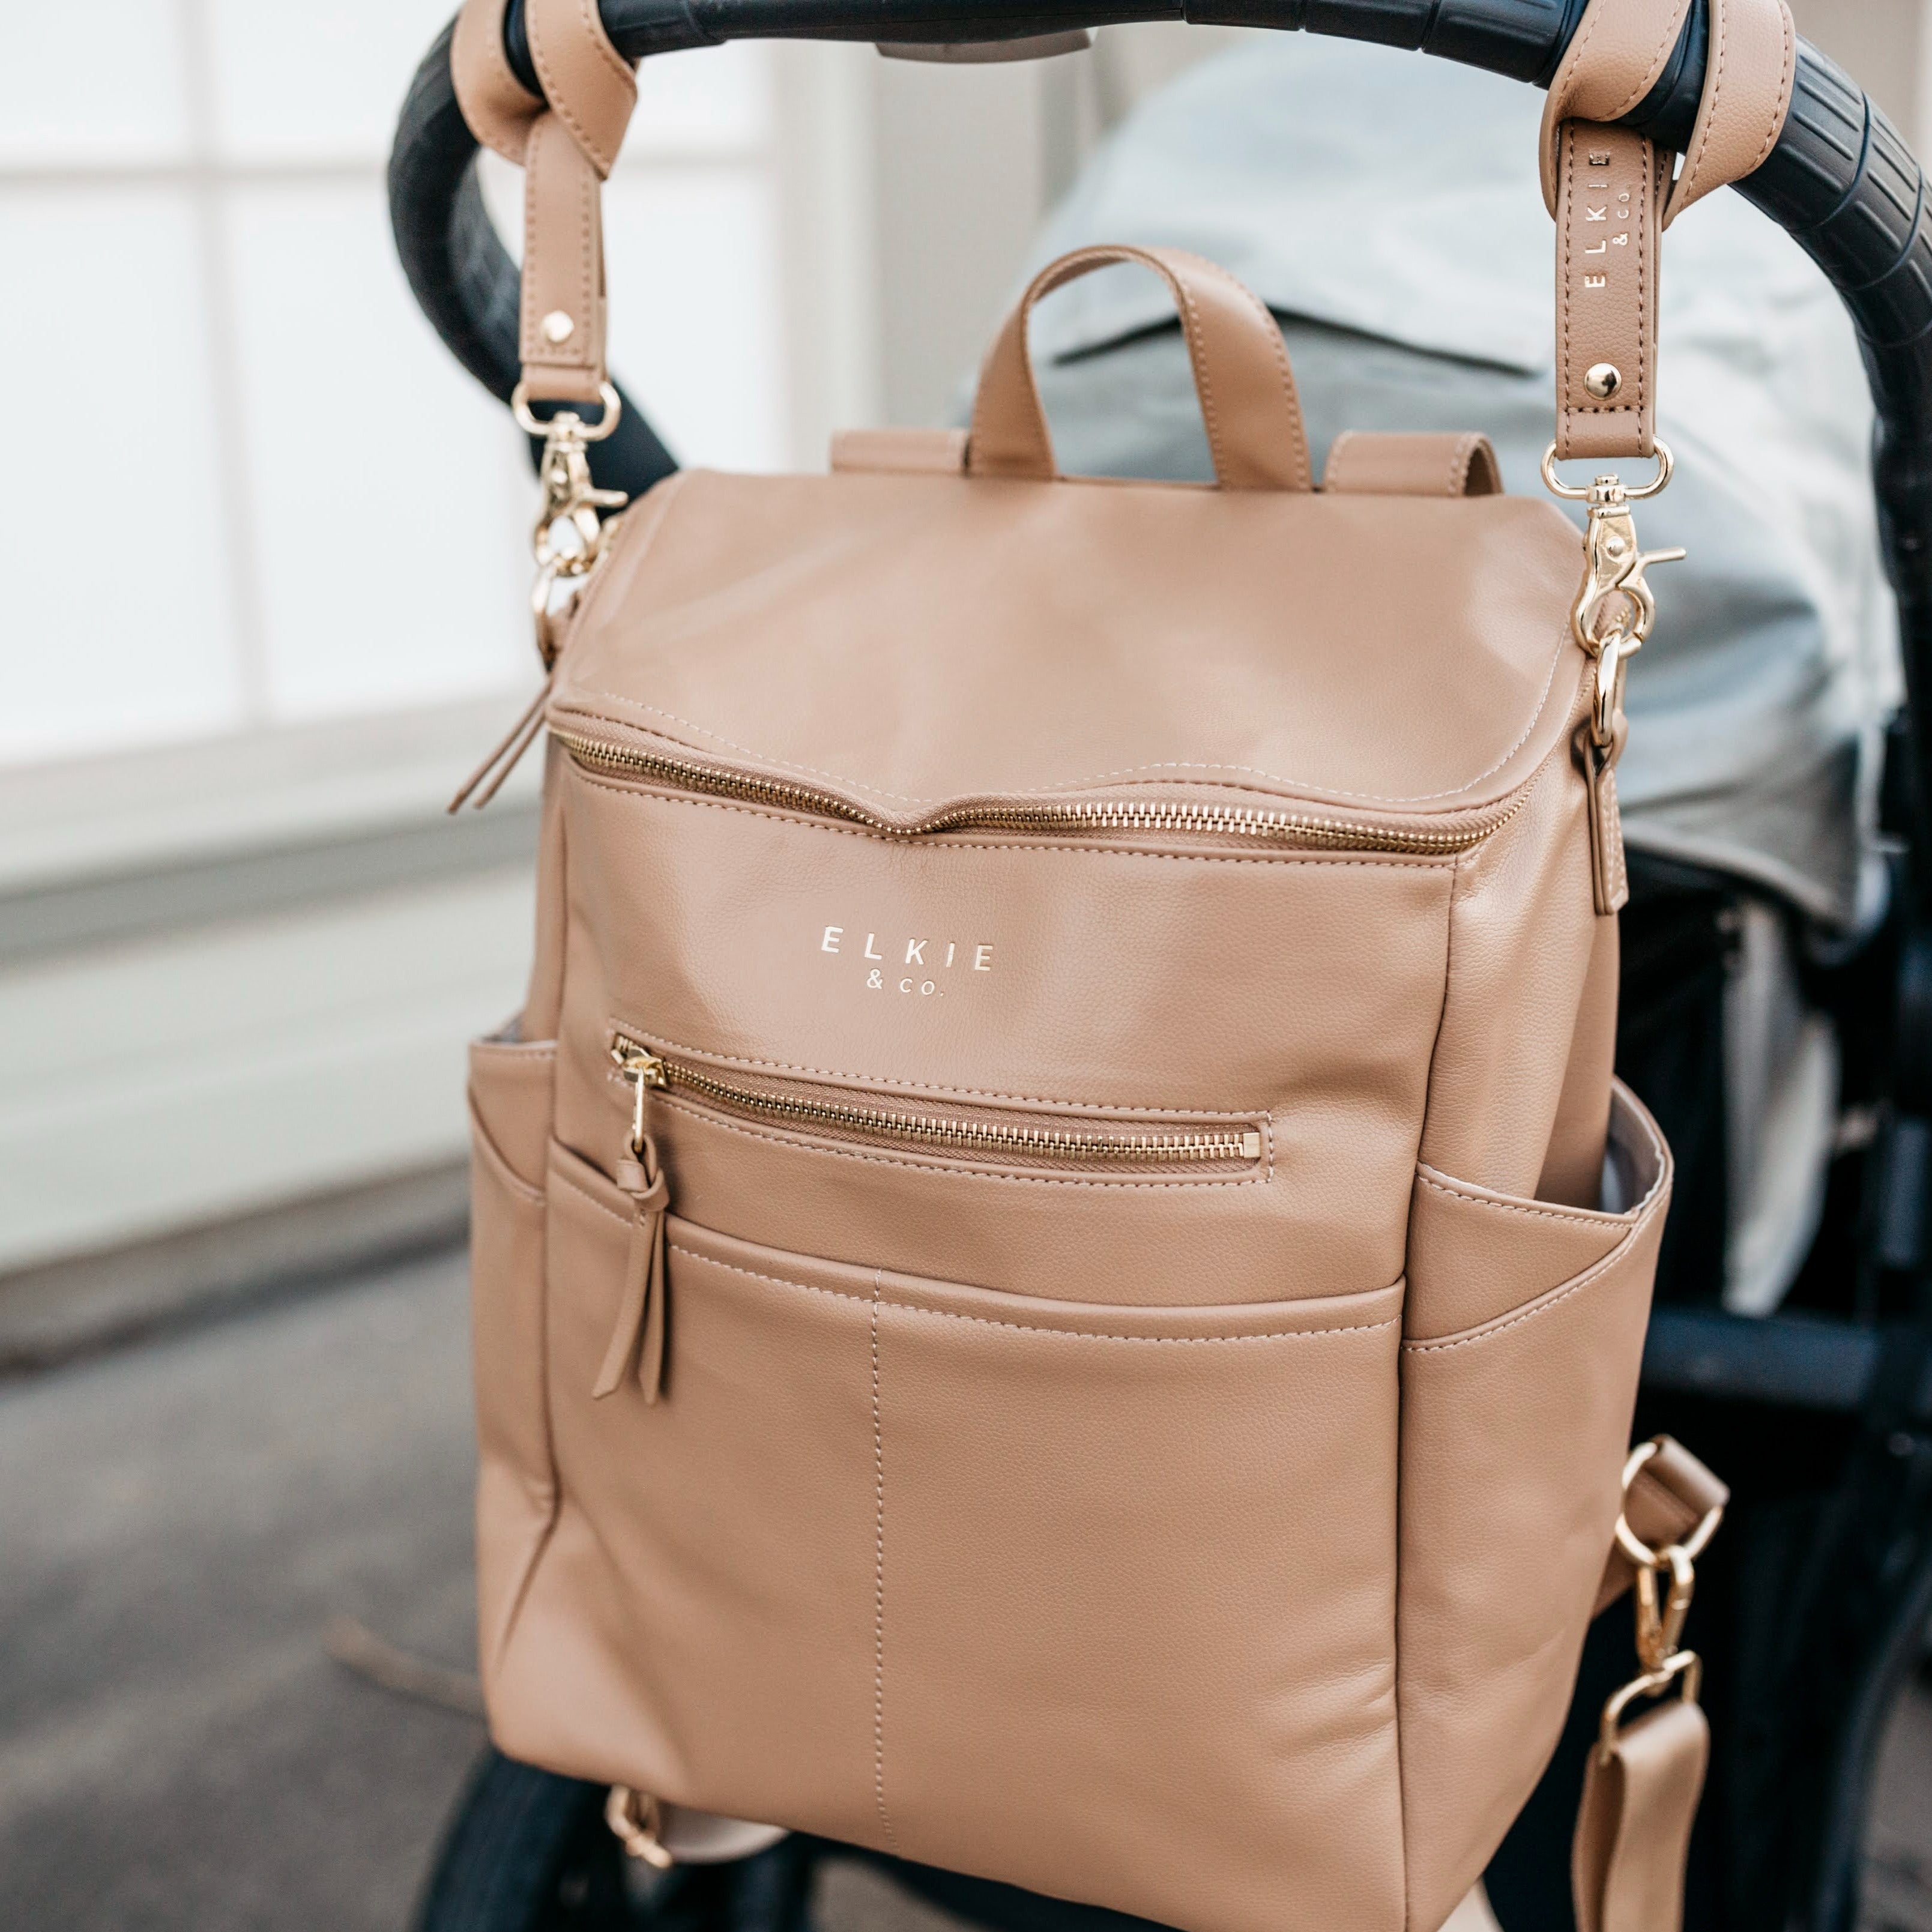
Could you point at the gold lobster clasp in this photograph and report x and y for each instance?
(1615, 608)
(567, 538)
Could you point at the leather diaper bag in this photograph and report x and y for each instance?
(1059, 1270)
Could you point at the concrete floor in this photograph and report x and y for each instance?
(178, 1522)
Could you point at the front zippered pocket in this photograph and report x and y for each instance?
(1004, 1135)
(1074, 818)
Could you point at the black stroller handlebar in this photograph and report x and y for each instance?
(1840, 180)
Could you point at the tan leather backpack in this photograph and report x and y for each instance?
(1059, 1271)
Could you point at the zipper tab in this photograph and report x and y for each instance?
(1609, 879)
(489, 777)
(647, 1072)
(640, 1315)
(639, 1331)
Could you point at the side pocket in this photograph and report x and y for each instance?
(1523, 1336)
(510, 1090)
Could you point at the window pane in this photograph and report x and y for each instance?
(118, 626)
(321, 81)
(692, 258)
(707, 100)
(122, 103)
(390, 491)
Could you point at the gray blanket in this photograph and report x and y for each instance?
(1386, 208)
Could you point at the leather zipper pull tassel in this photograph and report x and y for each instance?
(1608, 880)
(640, 1331)
(487, 780)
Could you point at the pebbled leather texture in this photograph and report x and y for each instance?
(1211, 1541)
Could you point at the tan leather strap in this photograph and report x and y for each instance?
(1640, 1792)
(496, 106)
(567, 143)
(1247, 394)
(1611, 192)
(1606, 186)
(1617, 55)
(1747, 82)
(1610, 186)
(589, 86)
(1633, 1838)
(1364, 463)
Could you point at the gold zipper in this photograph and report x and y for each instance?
(1070, 815)
(650, 1071)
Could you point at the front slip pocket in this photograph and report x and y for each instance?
(1089, 1599)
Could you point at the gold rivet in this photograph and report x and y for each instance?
(1602, 380)
(558, 327)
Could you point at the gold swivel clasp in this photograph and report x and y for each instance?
(1666, 1580)
(1616, 609)
(567, 539)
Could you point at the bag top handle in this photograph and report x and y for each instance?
(1241, 375)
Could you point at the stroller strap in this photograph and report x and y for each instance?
(1611, 192)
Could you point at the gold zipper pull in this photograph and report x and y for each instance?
(646, 1071)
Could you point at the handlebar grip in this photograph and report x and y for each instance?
(1840, 180)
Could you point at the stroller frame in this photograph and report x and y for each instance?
(1831, 1572)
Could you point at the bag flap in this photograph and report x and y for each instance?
(912, 643)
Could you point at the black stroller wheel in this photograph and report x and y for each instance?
(528, 1851)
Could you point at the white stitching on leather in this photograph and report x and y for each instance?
(1031, 1328)
(878, 1582)
(1574, 1217)
(578, 1188)
(1552, 1298)
(532, 1192)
